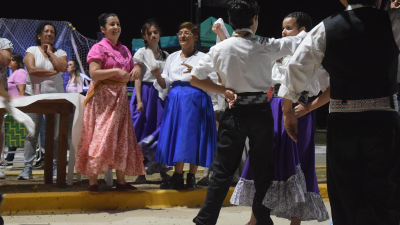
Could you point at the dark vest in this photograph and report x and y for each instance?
(361, 55)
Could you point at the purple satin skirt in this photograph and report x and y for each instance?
(147, 125)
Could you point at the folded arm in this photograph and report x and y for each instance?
(35, 71)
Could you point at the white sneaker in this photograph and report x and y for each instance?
(2, 175)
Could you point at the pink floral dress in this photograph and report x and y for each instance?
(108, 139)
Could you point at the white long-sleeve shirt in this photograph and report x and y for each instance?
(245, 64)
(320, 81)
(306, 61)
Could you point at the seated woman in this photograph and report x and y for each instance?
(188, 131)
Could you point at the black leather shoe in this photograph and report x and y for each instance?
(191, 181)
(176, 182)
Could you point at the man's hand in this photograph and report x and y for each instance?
(230, 97)
(290, 124)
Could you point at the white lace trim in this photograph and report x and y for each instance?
(285, 198)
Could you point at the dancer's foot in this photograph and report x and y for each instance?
(176, 182)
(191, 181)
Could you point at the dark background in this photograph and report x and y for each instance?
(169, 13)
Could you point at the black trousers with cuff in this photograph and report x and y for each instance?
(363, 168)
(256, 123)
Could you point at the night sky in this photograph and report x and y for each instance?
(169, 14)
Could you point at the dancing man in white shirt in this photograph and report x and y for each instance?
(359, 52)
(244, 64)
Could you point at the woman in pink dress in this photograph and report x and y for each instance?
(108, 139)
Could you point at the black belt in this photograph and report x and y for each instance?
(251, 98)
(303, 96)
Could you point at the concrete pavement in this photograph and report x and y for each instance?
(160, 216)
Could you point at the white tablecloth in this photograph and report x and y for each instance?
(74, 98)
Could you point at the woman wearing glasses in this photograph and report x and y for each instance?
(188, 130)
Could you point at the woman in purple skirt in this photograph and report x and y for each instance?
(146, 105)
(294, 193)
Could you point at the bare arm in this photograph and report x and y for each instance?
(60, 64)
(324, 98)
(33, 70)
(21, 89)
(97, 74)
(4, 93)
(5, 57)
(138, 90)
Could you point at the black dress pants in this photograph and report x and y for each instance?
(363, 166)
(256, 123)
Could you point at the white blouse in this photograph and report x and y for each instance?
(320, 81)
(53, 84)
(146, 73)
(174, 70)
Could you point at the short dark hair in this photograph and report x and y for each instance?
(192, 27)
(19, 59)
(103, 18)
(241, 12)
(302, 20)
(40, 29)
(362, 2)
